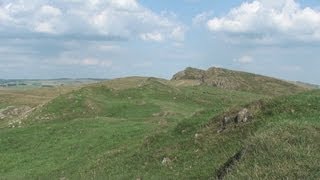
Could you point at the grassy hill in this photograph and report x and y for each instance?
(149, 128)
(17, 104)
(236, 80)
(286, 143)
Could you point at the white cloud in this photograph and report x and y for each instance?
(244, 60)
(269, 21)
(50, 11)
(44, 27)
(112, 18)
(155, 36)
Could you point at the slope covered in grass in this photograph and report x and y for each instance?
(118, 136)
(149, 129)
(287, 143)
(15, 104)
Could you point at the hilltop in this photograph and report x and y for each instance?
(236, 80)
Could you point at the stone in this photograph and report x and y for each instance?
(242, 116)
(166, 161)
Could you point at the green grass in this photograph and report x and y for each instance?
(52, 149)
(103, 132)
(124, 132)
(31, 98)
(286, 145)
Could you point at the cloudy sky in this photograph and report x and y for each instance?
(115, 38)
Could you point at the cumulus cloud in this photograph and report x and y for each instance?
(269, 21)
(244, 60)
(95, 18)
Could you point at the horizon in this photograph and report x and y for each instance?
(169, 78)
(107, 39)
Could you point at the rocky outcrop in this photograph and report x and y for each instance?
(15, 115)
(13, 112)
(239, 117)
(236, 80)
(190, 74)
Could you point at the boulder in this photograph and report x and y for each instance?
(242, 116)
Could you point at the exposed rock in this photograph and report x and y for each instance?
(190, 73)
(236, 80)
(166, 161)
(14, 111)
(242, 116)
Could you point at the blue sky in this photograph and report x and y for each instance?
(116, 38)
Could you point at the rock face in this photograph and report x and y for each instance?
(213, 77)
(190, 74)
(236, 80)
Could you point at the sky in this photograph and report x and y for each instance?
(116, 38)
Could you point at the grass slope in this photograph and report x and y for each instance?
(18, 101)
(124, 132)
(153, 130)
(286, 145)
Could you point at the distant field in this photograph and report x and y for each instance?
(31, 97)
(25, 84)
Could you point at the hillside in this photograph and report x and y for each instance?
(106, 131)
(286, 143)
(236, 80)
(150, 128)
(16, 104)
